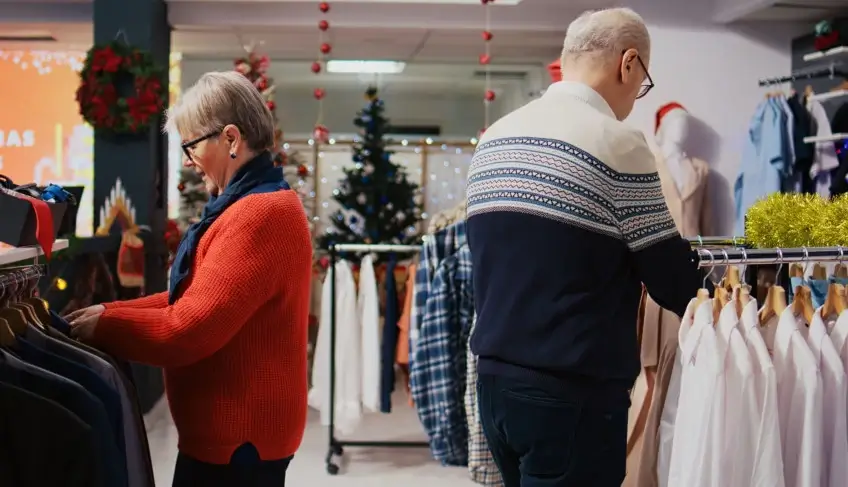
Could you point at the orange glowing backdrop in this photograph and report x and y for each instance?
(43, 139)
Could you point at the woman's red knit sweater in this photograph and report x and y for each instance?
(233, 345)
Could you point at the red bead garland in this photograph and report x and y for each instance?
(321, 134)
(485, 60)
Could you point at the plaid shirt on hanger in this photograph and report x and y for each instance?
(481, 464)
(437, 373)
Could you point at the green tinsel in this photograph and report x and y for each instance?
(797, 220)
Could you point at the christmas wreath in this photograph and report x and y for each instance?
(121, 89)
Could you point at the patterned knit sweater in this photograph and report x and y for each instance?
(566, 219)
(233, 345)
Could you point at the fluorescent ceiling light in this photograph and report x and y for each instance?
(365, 67)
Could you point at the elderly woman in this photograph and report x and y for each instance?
(231, 331)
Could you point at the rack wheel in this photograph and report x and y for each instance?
(338, 450)
(332, 469)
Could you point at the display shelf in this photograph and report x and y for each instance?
(10, 255)
(835, 51)
(830, 95)
(828, 138)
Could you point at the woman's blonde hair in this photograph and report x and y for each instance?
(219, 99)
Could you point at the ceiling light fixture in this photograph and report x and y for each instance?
(365, 67)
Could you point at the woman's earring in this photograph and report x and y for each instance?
(232, 155)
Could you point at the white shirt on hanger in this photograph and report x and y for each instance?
(839, 337)
(348, 380)
(668, 419)
(735, 405)
(692, 463)
(799, 403)
(835, 393)
(768, 460)
(368, 308)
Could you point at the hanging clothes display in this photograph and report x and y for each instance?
(389, 345)
(348, 383)
(755, 396)
(368, 308)
(438, 365)
(87, 428)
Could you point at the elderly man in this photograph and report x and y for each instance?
(566, 220)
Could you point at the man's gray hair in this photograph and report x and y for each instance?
(606, 33)
(219, 99)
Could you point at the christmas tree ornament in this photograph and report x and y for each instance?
(485, 59)
(319, 93)
(326, 48)
(487, 36)
(321, 134)
(490, 95)
(323, 25)
(324, 7)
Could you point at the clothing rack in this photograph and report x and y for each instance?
(829, 72)
(741, 256)
(336, 446)
(10, 278)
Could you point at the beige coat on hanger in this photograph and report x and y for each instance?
(689, 208)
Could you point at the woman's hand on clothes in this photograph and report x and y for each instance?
(83, 312)
(82, 328)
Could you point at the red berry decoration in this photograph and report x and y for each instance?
(324, 7)
(487, 36)
(181, 187)
(316, 67)
(485, 59)
(302, 170)
(490, 95)
(321, 134)
(318, 93)
(271, 105)
(323, 25)
(326, 48)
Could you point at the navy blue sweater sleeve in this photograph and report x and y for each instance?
(669, 270)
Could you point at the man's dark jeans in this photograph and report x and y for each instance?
(561, 435)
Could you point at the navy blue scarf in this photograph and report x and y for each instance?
(257, 176)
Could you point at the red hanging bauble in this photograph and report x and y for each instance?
(321, 134)
(181, 187)
(302, 170)
(271, 105)
(485, 59)
(490, 95)
(326, 48)
(319, 93)
(316, 67)
(487, 36)
(323, 25)
(324, 7)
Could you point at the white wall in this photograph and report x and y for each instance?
(713, 72)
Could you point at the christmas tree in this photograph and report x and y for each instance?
(193, 197)
(378, 202)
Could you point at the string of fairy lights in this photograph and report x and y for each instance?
(486, 61)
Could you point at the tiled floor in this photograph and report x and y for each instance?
(360, 467)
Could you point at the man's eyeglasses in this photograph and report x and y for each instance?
(645, 88)
(190, 145)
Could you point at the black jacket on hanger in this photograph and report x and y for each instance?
(44, 444)
(839, 124)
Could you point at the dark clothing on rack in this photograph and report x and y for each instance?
(391, 334)
(802, 126)
(43, 444)
(83, 376)
(570, 435)
(245, 469)
(78, 401)
(839, 178)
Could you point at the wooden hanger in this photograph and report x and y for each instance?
(802, 303)
(7, 337)
(732, 280)
(42, 310)
(720, 299)
(840, 271)
(775, 298)
(808, 91)
(819, 272)
(842, 86)
(15, 319)
(834, 303)
(742, 296)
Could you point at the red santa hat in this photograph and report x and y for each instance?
(665, 110)
(554, 69)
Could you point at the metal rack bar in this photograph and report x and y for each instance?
(712, 258)
(17, 276)
(335, 445)
(717, 241)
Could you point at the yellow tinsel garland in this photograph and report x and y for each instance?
(797, 220)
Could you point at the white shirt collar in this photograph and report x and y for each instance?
(581, 92)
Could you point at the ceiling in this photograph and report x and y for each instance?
(728, 11)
